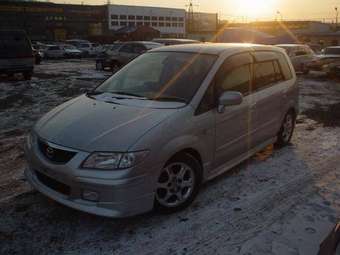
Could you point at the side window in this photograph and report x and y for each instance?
(138, 48)
(235, 74)
(264, 74)
(126, 48)
(208, 101)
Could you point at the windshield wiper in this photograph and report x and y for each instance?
(170, 98)
(127, 94)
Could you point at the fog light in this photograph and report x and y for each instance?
(90, 195)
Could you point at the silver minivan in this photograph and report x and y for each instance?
(152, 133)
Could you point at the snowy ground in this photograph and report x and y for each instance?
(280, 202)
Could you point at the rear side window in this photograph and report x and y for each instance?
(285, 68)
(235, 74)
(268, 69)
(128, 48)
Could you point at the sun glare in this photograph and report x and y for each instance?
(254, 9)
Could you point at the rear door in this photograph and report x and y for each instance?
(268, 94)
(234, 127)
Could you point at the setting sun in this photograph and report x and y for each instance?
(254, 8)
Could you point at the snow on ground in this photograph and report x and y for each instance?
(280, 202)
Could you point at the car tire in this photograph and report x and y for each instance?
(27, 75)
(178, 183)
(286, 130)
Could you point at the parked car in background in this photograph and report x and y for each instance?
(174, 41)
(152, 133)
(88, 49)
(327, 61)
(122, 53)
(301, 56)
(16, 53)
(54, 51)
(71, 51)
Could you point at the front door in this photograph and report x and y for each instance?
(234, 127)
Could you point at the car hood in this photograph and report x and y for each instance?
(92, 125)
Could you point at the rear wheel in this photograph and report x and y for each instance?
(178, 183)
(287, 129)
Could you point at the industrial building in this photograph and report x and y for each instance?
(49, 21)
(170, 22)
(46, 21)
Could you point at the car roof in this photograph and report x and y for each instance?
(291, 45)
(216, 48)
(333, 47)
(173, 40)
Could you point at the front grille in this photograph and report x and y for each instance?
(54, 154)
(53, 184)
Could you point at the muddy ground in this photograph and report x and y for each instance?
(280, 202)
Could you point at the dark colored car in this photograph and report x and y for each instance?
(16, 53)
(122, 53)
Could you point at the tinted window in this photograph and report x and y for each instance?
(235, 74)
(138, 48)
(114, 16)
(332, 51)
(54, 48)
(285, 69)
(127, 48)
(264, 74)
(122, 16)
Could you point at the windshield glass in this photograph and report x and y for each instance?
(332, 51)
(161, 76)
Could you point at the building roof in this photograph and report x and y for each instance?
(216, 48)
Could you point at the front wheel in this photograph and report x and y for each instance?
(178, 184)
(287, 129)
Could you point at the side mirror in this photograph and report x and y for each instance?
(229, 98)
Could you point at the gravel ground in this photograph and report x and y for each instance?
(280, 202)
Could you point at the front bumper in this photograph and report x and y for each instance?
(117, 197)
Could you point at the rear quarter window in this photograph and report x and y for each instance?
(285, 68)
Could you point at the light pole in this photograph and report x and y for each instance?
(336, 17)
(279, 13)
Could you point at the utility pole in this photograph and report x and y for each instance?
(336, 18)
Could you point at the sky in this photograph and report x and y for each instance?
(243, 10)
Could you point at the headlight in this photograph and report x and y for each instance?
(114, 160)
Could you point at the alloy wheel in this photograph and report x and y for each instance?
(175, 184)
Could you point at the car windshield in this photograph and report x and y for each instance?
(70, 47)
(172, 76)
(332, 51)
(115, 46)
